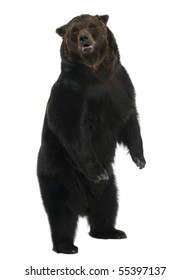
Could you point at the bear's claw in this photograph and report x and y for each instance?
(140, 162)
(100, 177)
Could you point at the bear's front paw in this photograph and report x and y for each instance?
(103, 177)
(140, 162)
(99, 177)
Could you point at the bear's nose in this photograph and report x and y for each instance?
(83, 39)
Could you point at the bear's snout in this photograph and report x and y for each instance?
(86, 41)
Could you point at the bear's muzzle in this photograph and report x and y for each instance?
(86, 42)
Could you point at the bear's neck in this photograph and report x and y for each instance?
(107, 66)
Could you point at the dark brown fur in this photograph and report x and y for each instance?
(91, 109)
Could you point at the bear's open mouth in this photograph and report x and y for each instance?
(87, 48)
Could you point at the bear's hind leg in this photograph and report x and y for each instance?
(63, 232)
(102, 214)
(62, 219)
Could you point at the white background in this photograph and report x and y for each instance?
(153, 38)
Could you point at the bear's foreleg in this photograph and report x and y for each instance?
(130, 136)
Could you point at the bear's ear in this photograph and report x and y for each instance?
(61, 30)
(104, 18)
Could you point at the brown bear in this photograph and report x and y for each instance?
(91, 108)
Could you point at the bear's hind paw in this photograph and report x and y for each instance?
(109, 234)
(65, 249)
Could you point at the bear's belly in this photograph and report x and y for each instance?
(104, 146)
(102, 127)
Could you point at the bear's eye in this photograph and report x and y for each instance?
(92, 26)
(74, 31)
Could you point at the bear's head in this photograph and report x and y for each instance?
(85, 40)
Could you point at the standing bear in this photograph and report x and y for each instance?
(91, 108)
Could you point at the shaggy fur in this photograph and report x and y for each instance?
(91, 108)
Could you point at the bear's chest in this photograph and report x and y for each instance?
(106, 106)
